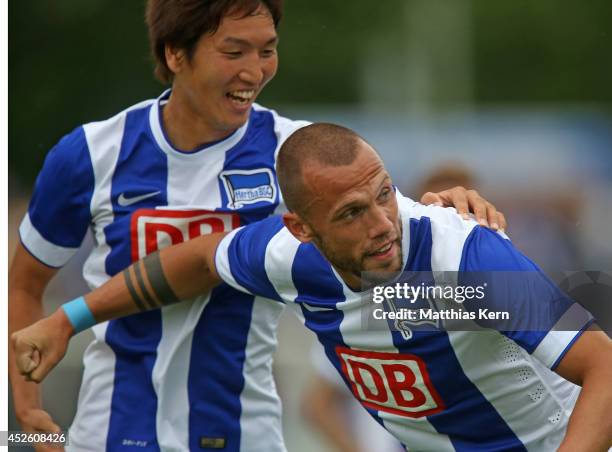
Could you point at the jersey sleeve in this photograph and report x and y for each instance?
(59, 212)
(544, 320)
(240, 258)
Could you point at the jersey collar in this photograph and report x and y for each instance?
(164, 144)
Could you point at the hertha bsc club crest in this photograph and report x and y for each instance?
(248, 187)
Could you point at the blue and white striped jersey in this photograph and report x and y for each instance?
(190, 376)
(438, 390)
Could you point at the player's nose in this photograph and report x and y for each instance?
(253, 72)
(380, 224)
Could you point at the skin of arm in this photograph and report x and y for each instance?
(187, 270)
(588, 363)
(321, 403)
(28, 279)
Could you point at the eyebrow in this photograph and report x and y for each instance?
(341, 209)
(244, 42)
(338, 214)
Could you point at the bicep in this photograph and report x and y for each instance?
(28, 279)
(28, 274)
(592, 349)
(189, 268)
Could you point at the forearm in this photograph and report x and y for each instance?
(175, 273)
(23, 310)
(321, 406)
(171, 275)
(590, 425)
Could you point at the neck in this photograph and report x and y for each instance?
(352, 280)
(185, 127)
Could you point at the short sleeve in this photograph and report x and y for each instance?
(59, 212)
(543, 319)
(241, 255)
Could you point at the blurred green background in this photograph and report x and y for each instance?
(73, 61)
(517, 95)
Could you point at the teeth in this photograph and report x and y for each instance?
(384, 249)
(243, 95)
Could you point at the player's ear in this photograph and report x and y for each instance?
(175, 58)
(297, 227)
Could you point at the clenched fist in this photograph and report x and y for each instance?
(39, 347)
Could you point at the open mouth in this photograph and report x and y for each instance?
(241, 97)
(382, 250)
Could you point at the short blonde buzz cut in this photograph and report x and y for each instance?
(323, 143)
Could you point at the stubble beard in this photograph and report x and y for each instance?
(357, 268)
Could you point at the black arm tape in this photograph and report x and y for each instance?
(143, 288)
(158, 280)
(132, 290)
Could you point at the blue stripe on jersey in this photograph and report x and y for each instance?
(323, 296)
(323, 318)
(216, 378)
(468, 419)
(254, 151)
(221, 334)
(60, 206)
(514, 284)
(140, 170)
(134, 339)
(247, 251)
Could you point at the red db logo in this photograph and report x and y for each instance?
(153, 229)
(397, 383)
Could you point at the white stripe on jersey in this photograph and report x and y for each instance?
(173, 356)
(416, 438)
(353, 329)
(205, 169)
(517, 389)
(222, 266)
(94, 400)
(259, 398)
(49, 253)
(104, 140)
(104, 143)
(555, 342)
(283, 244)
(283, 128)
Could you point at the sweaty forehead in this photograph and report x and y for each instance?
(332, 184)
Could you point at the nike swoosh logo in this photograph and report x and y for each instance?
(124, 202)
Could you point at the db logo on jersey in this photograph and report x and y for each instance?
(154, 229)
(397, 383)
